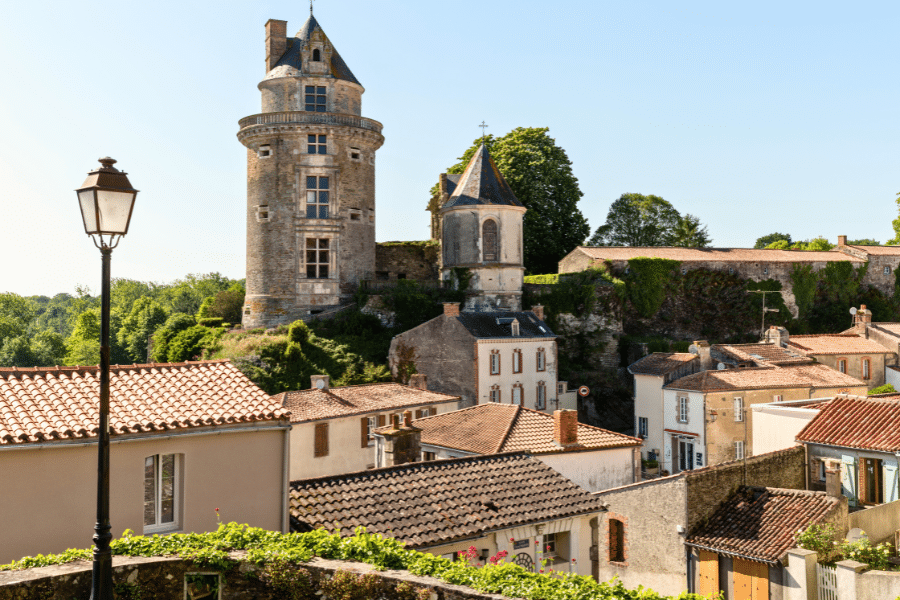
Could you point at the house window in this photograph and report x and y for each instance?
(731, 271)
(495, 362)
(561, 387)
(316, 144)
(317, 258)
(682, 409)
(765, 270)
(738, 409)
(161, 493)
(367, 425)
(517, 395)
(265, 151)
(842, 365)
(866, 371)
(541, 360)
(541, 396)
(739, 450)
(316, 197)
(315, 98)
(643, 427)
(887, 270)
(489, 241)
(777, 398)
(685, 455)
(551, 545)
(517, 361)
(317, 55)
(427, 456)
(514, 327)
(320, 444)
(262, 212)
(616, 540)
(495, 393)
(822, 475)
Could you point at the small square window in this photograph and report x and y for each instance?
(887, 270)
(264, 151)
(315, 98)
(316, 144)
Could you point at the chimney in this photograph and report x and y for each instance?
(451, 309)
(538, 311)
(418, 380)
(777, 336)
(320, 382)
(276, 42)
(703, 351)
(842, 240)
(833, 477)
(862, 319)
(400, 444)
(565, 428)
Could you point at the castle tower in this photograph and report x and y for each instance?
(310, 181)
(481, 230)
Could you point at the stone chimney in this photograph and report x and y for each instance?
(400, 444)
(320, 382)
(276, 42)
(778, 336)
(862, 319)
(418, 380)
(833, 477)
(703, 351)
(565, 428)
(538, 311)
(451, 309)
(842, 240)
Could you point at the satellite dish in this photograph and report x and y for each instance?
(852, 310)
(693, 349)
(320, 384)
(720, 367)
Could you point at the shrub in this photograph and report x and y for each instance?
(210, 321)
(883, 389)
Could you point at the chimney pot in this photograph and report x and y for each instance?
(703, 351)
(418, 380)
(538, 311)
(395, 421)
(407, 419)
(451, 309)
(565, 427)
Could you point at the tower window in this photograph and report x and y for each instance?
(316, 144)
(317, 258)
(489, 241)
(316, 197)
(264, 151)
(315, 98)
(317, 56)
(262, 212)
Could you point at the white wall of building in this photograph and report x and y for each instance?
(594, 471)
(648, 403)
(775, 426)
(693, 430)
(528, 378)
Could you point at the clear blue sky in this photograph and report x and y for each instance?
(755, 116)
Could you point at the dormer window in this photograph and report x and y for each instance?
(515, 327)
(315, 98)
(317, 55)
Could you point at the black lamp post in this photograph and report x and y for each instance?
(106, 199)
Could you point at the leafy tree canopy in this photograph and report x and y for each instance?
(540, 174)
(689, 233)
(638, 220)
(895, 241)
(766, 240)
(863, 242)
(820, 243)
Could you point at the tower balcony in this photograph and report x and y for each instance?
(296, 117)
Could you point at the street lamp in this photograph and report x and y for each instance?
(107, 199)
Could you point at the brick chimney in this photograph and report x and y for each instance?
(538, 311)
(320, 382)
(862, 319)
(418, 380)
(276, 42)
(777, 336)
(400, 444)
(833, 477)
(703, 351)
(565, 428)
(842, 240)
(451, 309)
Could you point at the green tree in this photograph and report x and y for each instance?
(145, 317)
(174, 325)
(766, 240)
(637, 220)
(863, 242)
(895, 241)
(225, 305)
(540, 174)
(16, 313)
(689, 233)
(83, 346)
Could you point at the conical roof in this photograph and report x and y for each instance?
(482, 183)
(291, 63)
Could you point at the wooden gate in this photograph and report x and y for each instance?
(751, 580)
(826, 582)
(708, 574)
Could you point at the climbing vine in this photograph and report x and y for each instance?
(646, 283)
(803, 282)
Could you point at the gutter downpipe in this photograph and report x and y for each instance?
(286, 481)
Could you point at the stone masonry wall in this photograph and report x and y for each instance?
(406, 260)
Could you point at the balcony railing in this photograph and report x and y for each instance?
(302, 117)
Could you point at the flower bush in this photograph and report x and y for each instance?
(823, 539)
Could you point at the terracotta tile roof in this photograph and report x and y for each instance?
(314, 405)
(759, 523)
(432, 503)
(61, 403)
(855, 422)
(713, 254)
(880, 250)
(789, 376)
(490, 428)
(761, 353)
(893, 328)
(835, 343)
(660, 363)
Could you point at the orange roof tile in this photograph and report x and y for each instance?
(490, 428)
(660, 363)
(855, 422)
(714, 254)
(58, 403)
(893, 328)
(788, 376)
(835, 343)
(761, 353)
(880, 250)
(314, 405)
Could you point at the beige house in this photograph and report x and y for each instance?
(333, 427)
(187, 440)
(848, 353)
(707, 418)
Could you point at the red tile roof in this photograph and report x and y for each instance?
(759, 523)
(761, 353)
(660, 363)
(855, 422)
(314, 405)
(428, 504)
(61, 403)
(714, 254)
(788, 376)
(880, 250)
(835, 343)
(491, 428)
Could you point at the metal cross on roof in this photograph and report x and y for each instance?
(310, 6)
(483, 127)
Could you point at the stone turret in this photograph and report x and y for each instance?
(310, 181)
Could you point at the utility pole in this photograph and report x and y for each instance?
(764, 309)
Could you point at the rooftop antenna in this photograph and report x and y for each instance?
(310, 7)
(764, 309)
(483, 126)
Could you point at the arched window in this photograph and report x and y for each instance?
(489, 245)
(317, 56)
(616, 541)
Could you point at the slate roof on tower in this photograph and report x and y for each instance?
(291, 62)
(482, 183)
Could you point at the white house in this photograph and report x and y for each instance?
(776, 424)
(332, 427)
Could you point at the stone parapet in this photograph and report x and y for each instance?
(309, 118)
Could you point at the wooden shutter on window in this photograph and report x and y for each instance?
(432, 411)
(364, 432)
(381, 420)
(321, 441)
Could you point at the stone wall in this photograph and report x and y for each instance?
(165, 578)
(406, 260)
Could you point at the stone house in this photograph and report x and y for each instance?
(333, 428)
(505, 357)
(848, 353)
(858, 437)
(512, 502)
(187, 440)
(594, 458)
(706, 416)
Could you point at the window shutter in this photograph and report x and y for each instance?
(381, 420)
(848, 477)
(890, 481)
(432, 410)
(321, 440)
(364, 432)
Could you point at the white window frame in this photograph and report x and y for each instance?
(160, 526)
(777, 398)
(550, 539)
(495, 363)
(643, 427)
(495, 394)
(739, 450)
(842, 365)
(682, 409)
(866, 368)
(541, 402)
(739, 409)
(517, 361)
(517, 395)
(541, 360)
(371, 424)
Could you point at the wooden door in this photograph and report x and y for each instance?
(751, 580)
(708, 574)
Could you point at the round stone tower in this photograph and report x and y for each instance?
(481, 230)
(310, 181)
